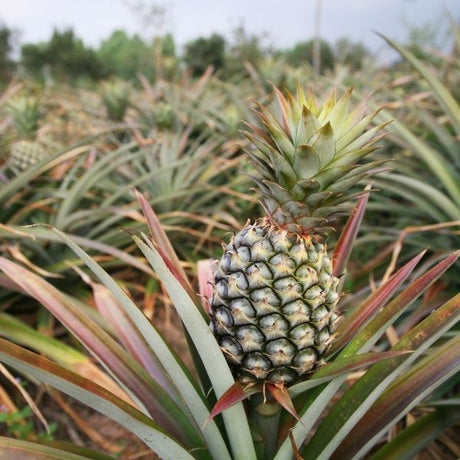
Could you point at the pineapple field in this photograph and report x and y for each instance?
(257, 261)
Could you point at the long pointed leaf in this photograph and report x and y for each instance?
(368, 336)
(444, 97)
(357, 400)
(370, 306)
(130, 337)
(344, 246)
(101, 345)
(94, 396)
(405, 392)
(417, 436)
(341, 367)
(20, 333)
(210, 353)
(431, 157)
(162, 240)
(26, 450)
(177, 373)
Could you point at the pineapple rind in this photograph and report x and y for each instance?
(25, 153)
(273, 308)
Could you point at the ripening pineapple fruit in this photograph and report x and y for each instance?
(273, 308)
(25, 153)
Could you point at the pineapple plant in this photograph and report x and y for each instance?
(274, 304)
(28, 148)
(116, 96)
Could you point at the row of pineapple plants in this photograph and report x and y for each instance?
(280, 346)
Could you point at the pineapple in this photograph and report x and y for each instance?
(25, 153)
(273, 309)
(28, 148)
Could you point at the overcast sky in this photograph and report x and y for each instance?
(284, 21)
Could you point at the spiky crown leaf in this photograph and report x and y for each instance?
(307, 158)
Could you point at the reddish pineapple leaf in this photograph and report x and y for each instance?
(368, 335)
(284, 106)
(359, 398)
(205, 271)
(416, 437)
(281, 394)
(348, 236)
(92, 394)
(105, 348)
(366, 310)
(399, 398)
(130, 336)
(343, 366)
(235, 394)
(162, 243)
(52, 450)
(295, 449)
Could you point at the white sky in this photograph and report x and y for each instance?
(285, 22)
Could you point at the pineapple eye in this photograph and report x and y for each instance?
(305, 360)
(262, 250)
(273, 326)
(320, 317)
(323, 340)
(221, 288)
(257, 364)
(280, 242)
(223, 317)
(288, 288)
(249, 337)
(303, 335)
(259, 275)
(282, 265)
(297, 312)
(226, 262)
(231, 348)
(282, 375)
(264, 300)
(244, 254)
(307, 275)
(280, 351)
(249, 236)
(314, 296)
(299, 253)
(237, 281)
(242, 311)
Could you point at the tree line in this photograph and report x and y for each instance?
(66, 56)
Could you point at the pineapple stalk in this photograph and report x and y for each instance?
(265, 417)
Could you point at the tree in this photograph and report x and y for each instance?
(126, 56)
(244, 48)
(204, 52)
(6, 63)
(352, 54)
(302, 53)
(65, 55)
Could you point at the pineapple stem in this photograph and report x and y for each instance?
(265, 416)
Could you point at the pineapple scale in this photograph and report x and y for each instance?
(274, 302)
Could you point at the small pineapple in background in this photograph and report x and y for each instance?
(28, 149)
(25, 114)
(164, 115)
(274, 301)
(116, 95)
(24, 154)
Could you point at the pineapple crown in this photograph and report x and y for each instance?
(307, 158)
